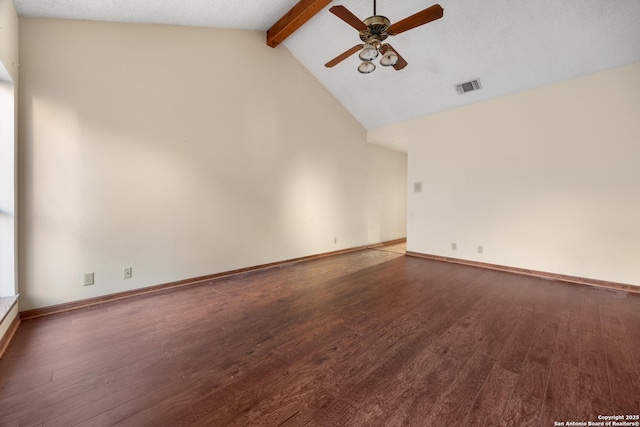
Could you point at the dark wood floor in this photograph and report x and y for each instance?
(367, 338)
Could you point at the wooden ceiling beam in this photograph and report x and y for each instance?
(294, 19)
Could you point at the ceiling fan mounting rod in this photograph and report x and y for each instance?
(374, 7)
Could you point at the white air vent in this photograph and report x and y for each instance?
(468, 86)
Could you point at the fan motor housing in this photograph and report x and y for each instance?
(377, 28)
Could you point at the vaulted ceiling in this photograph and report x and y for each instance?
(510, 45)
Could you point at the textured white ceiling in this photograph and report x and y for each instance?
(511, 45)
(238, 14)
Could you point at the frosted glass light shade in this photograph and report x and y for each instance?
(366, 67)
(389, 58)
(368, 52)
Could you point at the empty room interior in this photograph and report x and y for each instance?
(319, 213)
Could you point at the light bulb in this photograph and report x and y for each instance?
(366, 67)
(389, 58)
(368, 52)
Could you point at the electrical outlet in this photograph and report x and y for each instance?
(335, 240)
(417, 187)
(127, 272)
(88, 279)
(480, 249)
(454, 246)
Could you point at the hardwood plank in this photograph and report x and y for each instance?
(561, 398)
(114, 409)
(181, 418)
(589, 319)
(523, 410)
(613, 328)
(332, 414)
(535, 371)
(459, 341)
(363, 338)
(590, 407)
(623, 377)
(442, 372)
(491, 403)
(285, 405)
(279, 393)
(455, 402)
(27, 415)
(631, 322)
(593, 386)
(568, 341)
(375, 392)
(52, 393)
(517, 346)
(496, 339)
(594, 375)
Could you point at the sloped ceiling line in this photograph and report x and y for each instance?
(511, 45)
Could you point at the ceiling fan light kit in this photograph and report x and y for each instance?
(375, 30)
(369, 52)
(390, 58)
(366, 67)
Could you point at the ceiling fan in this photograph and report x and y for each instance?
(374, 30)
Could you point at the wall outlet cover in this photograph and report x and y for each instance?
(89, 279)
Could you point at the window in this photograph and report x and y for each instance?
(7, 185)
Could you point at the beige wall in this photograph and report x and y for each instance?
(386, 194)
(178, 151)
(546, 179)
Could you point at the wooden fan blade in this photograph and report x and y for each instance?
(348, 17)
(401, 61)
(423, 17)
(338, 59)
